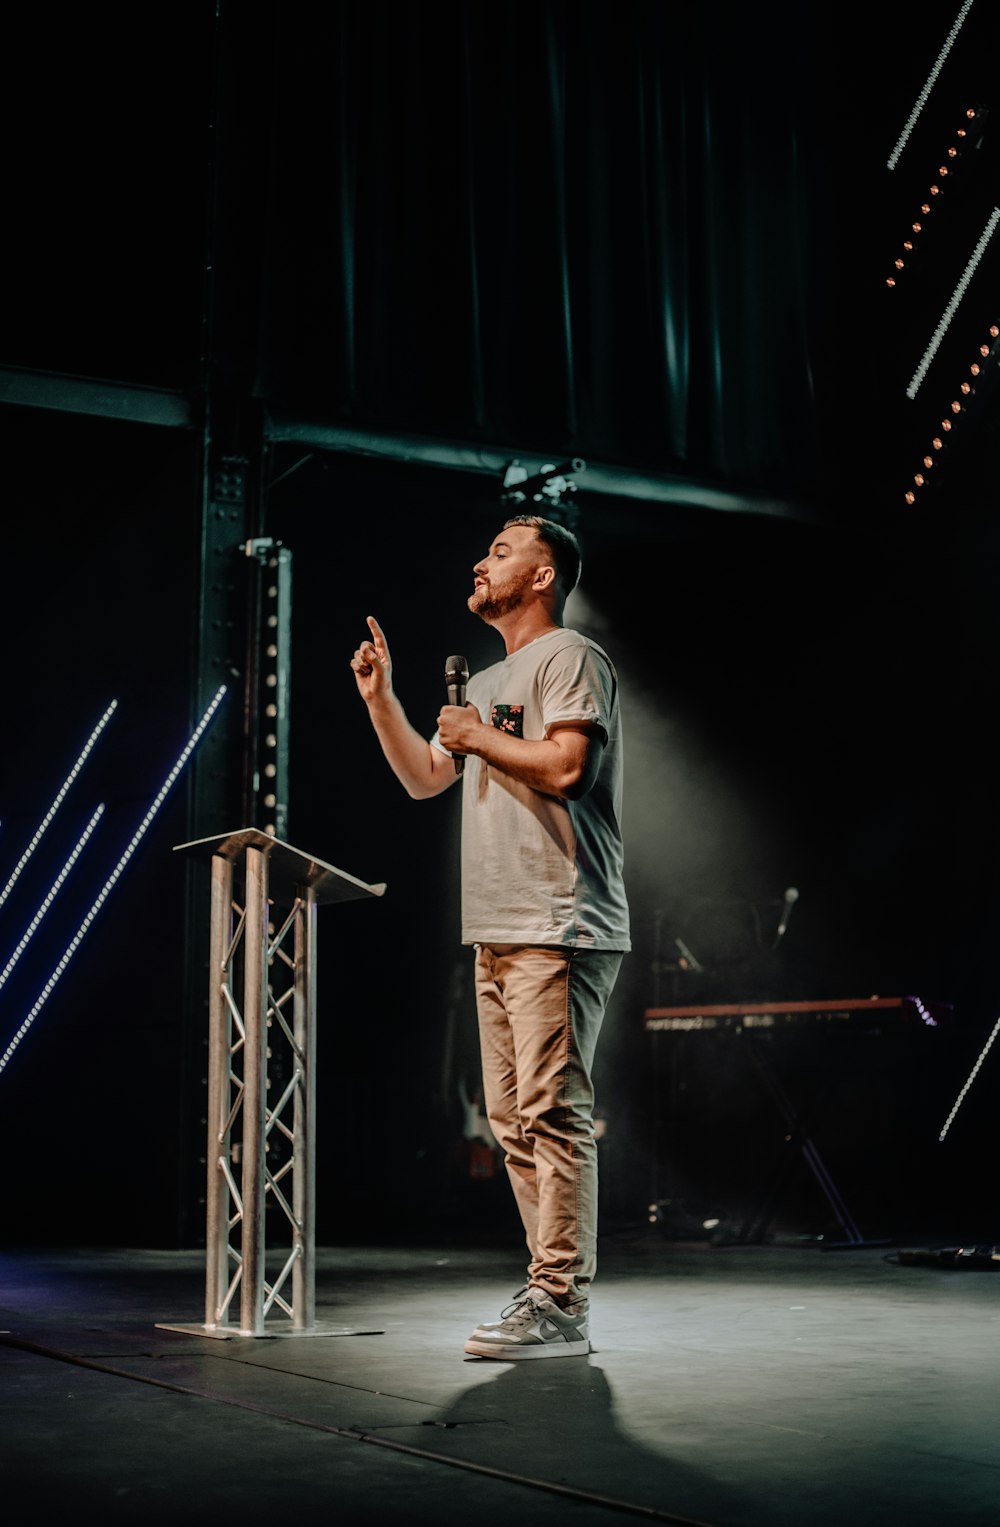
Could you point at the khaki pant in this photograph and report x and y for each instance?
(540, 1012)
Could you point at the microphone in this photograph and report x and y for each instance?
(456, 676)
(791, 897)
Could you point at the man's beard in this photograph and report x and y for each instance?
(494, 602)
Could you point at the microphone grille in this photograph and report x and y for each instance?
(791, 894)
(456, 667)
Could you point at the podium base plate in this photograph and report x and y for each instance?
(271, 1333)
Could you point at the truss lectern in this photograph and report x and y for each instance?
(261, 1082)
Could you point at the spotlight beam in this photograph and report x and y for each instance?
(111, 881)
(46, 820)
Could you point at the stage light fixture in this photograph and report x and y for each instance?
(60, 797)
(551, 489)
(112, 880)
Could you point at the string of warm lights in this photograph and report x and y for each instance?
(47, 819)
(111, 881)
(929, 84)
(51, 895)
(986, 360)
(935, 191)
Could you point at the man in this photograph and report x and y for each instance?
(543, 901)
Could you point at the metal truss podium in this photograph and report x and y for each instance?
(262, 1084)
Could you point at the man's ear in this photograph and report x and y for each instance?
(544, 578)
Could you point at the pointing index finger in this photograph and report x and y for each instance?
(376, 631)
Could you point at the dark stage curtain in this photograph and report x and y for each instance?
(577, 227)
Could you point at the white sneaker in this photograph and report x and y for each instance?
(533, 1326)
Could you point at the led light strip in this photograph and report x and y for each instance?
(924, 1012)
(922, 98)
(956, 298)
(71, 776)
(109, 884)
(29, 932)
(969, 1081)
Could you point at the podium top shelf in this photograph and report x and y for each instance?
(290, 869)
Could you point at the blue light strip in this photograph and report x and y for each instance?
(29, 932)
(924, 1012)
(969, 1081)
(956, 297)
(71, 776)
(924, 95)
(109, 884)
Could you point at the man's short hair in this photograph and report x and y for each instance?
(567, 558)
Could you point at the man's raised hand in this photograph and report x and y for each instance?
(372, 664)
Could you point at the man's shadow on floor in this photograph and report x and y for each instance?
(552, 1423)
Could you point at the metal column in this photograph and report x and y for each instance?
(304, 1200)
(254, 1093)
(219, 1039)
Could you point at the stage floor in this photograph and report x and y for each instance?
(752, 1386)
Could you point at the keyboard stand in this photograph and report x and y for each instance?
(751, 1021)
(756, 1224)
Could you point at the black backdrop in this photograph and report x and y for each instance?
(649, 235)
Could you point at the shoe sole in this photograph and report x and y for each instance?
(536, 1349)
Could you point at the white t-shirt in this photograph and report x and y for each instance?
(537, 869)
